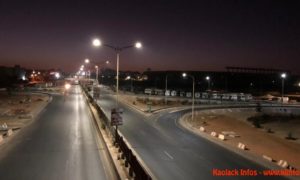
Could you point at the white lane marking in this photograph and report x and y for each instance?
(168, 155)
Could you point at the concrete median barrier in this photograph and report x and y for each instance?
(267, 158)
(9, 132)
(214, 134)
(242, 146)
(202, 129)
(221, 136)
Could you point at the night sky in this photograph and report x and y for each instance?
(176, 35)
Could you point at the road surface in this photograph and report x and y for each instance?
(171, 152)
(60, 144)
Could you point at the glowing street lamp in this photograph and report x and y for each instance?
(193, 100)
(208, 81)
(97, 42)
(87, 61)
(57, 75)
(67, 86)
(131, 85)
(283, 76)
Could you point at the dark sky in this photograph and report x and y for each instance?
(177, 35)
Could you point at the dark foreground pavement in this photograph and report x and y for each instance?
(60, 144)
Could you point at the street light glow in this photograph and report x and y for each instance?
(184, 74)
(128, 77)
(107, 62)
(96, 67)
(283, 75)
(87, 61)
(57, 75)
(96, 42)
(138, 45)
(207, 78)
(67, 86)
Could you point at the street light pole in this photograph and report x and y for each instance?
(283, 76)
(117, 86)
(193, 96)
(97, 73)
(97, 42)
(166, 88)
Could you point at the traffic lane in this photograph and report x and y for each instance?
(173, 153)
(58, 145)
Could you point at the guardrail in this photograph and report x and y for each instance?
(136, 168)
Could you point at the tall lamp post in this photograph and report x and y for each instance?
(208, 87)
(208, 82)
(166, 88)
(193, 100)
(283, 76)
(118, 50)
(87, 61)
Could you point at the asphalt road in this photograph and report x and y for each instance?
(170, 151)
(60, 144)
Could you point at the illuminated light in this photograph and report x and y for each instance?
(184, 74)
(67, 86)
(83, 73)
(138, 45)
(87, 61)
(299, 84)
(39, 72)
(283, 75)
(23, 78)
(207, 78)
(96, 42)
(127, 78)
(96, 67)
(57, 75)
(107, 62)
(33, 71)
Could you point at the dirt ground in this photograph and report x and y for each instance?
(19, 109)
(258, 140)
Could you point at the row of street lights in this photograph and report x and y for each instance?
(283, 76)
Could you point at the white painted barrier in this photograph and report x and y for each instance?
(1, 138)
(242, 146)
(283, 163)
(267, 158)
(202, 129)
(214, 134)
(9, 132)
(221, 136)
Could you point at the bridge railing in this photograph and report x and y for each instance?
(136, 168)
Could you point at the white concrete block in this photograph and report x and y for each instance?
(267, 158)
(242, 146)
(214, 134)
(202, 129)
(9, 132)
(221, 136)
(283, 163)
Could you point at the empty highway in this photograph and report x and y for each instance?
(171, 152)
(60, 144)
